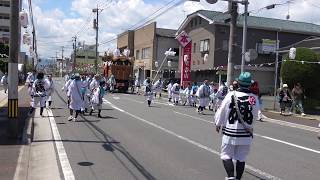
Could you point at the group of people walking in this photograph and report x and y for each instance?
(236, 108)
(85, 94)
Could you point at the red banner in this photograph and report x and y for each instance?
(186, 65)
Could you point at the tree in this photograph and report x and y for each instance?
(304, 73)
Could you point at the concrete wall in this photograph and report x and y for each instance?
(144, 38)
(126, 40)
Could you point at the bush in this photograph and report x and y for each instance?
(306, 74)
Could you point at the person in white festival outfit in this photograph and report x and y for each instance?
(158, 87)
(149, 91)
(76, 99)
(4, 82)
(50, 90)
(175, 90)
(38, 93)
(29, 81)
(85, 94)
(66, 89)
(169, 91)
(204, 96)
(236, 116)
(97, 98)
(221, 93)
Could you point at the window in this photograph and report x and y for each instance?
(4, 16)
(204, 45)
(195, 21)
(5, 4)
(137, 54)
(145, 53)
(177, 51)
(200, 20)
(194, 47)
(191, 23)
(225, 45)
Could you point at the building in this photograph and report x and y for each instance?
(311, 43)
(85, 59)
(4, 21)
(148, 45)
(126, 41)
(210, 35)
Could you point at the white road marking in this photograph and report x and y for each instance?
(251, 168)
(63, 158)
(289, 124)
(115, 97)
(166, 104)
(258, 135)
(204, 120)
(290, 144)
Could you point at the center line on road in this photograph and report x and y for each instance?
(258, 135)
(64, 161)
(251, 168)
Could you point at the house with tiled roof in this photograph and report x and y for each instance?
(209, 32)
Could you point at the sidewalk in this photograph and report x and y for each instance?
(9, 147)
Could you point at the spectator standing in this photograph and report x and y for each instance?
(284, 98)
(298, 96)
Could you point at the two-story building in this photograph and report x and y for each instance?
(148, 45)
(210, 35)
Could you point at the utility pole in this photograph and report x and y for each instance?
(13, 69)
(61, 65)
(74, 53)
(96, 27)
(244, 35)
(233, 10)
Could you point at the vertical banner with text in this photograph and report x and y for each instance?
(186, 65)
(185, 59)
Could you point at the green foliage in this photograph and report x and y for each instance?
(306, 74)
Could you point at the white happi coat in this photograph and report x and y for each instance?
(97, 98)
(4, 82)
(169, 90)
(190, 98)
(220, 95)
(66, 87)
(149, 94)
(29, 82)
(86, 94)
(175, 91)
(226, 117)
(39, 92)
(94, 85)
(50, 89)
(204, 95)
(76, 101)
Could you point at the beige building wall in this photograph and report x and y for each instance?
(144, 38)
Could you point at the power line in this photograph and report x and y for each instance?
(166, 10)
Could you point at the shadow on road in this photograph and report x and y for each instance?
(110, 146)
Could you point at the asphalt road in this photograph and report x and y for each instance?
(165, 142)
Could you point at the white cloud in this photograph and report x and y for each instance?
(122, 14)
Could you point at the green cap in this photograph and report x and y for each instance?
(245, 79)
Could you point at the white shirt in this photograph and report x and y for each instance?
(233, 131)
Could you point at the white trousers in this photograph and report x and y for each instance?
(235, 152)
(38, 100)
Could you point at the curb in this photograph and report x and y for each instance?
(22, 168)
(307, 117)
